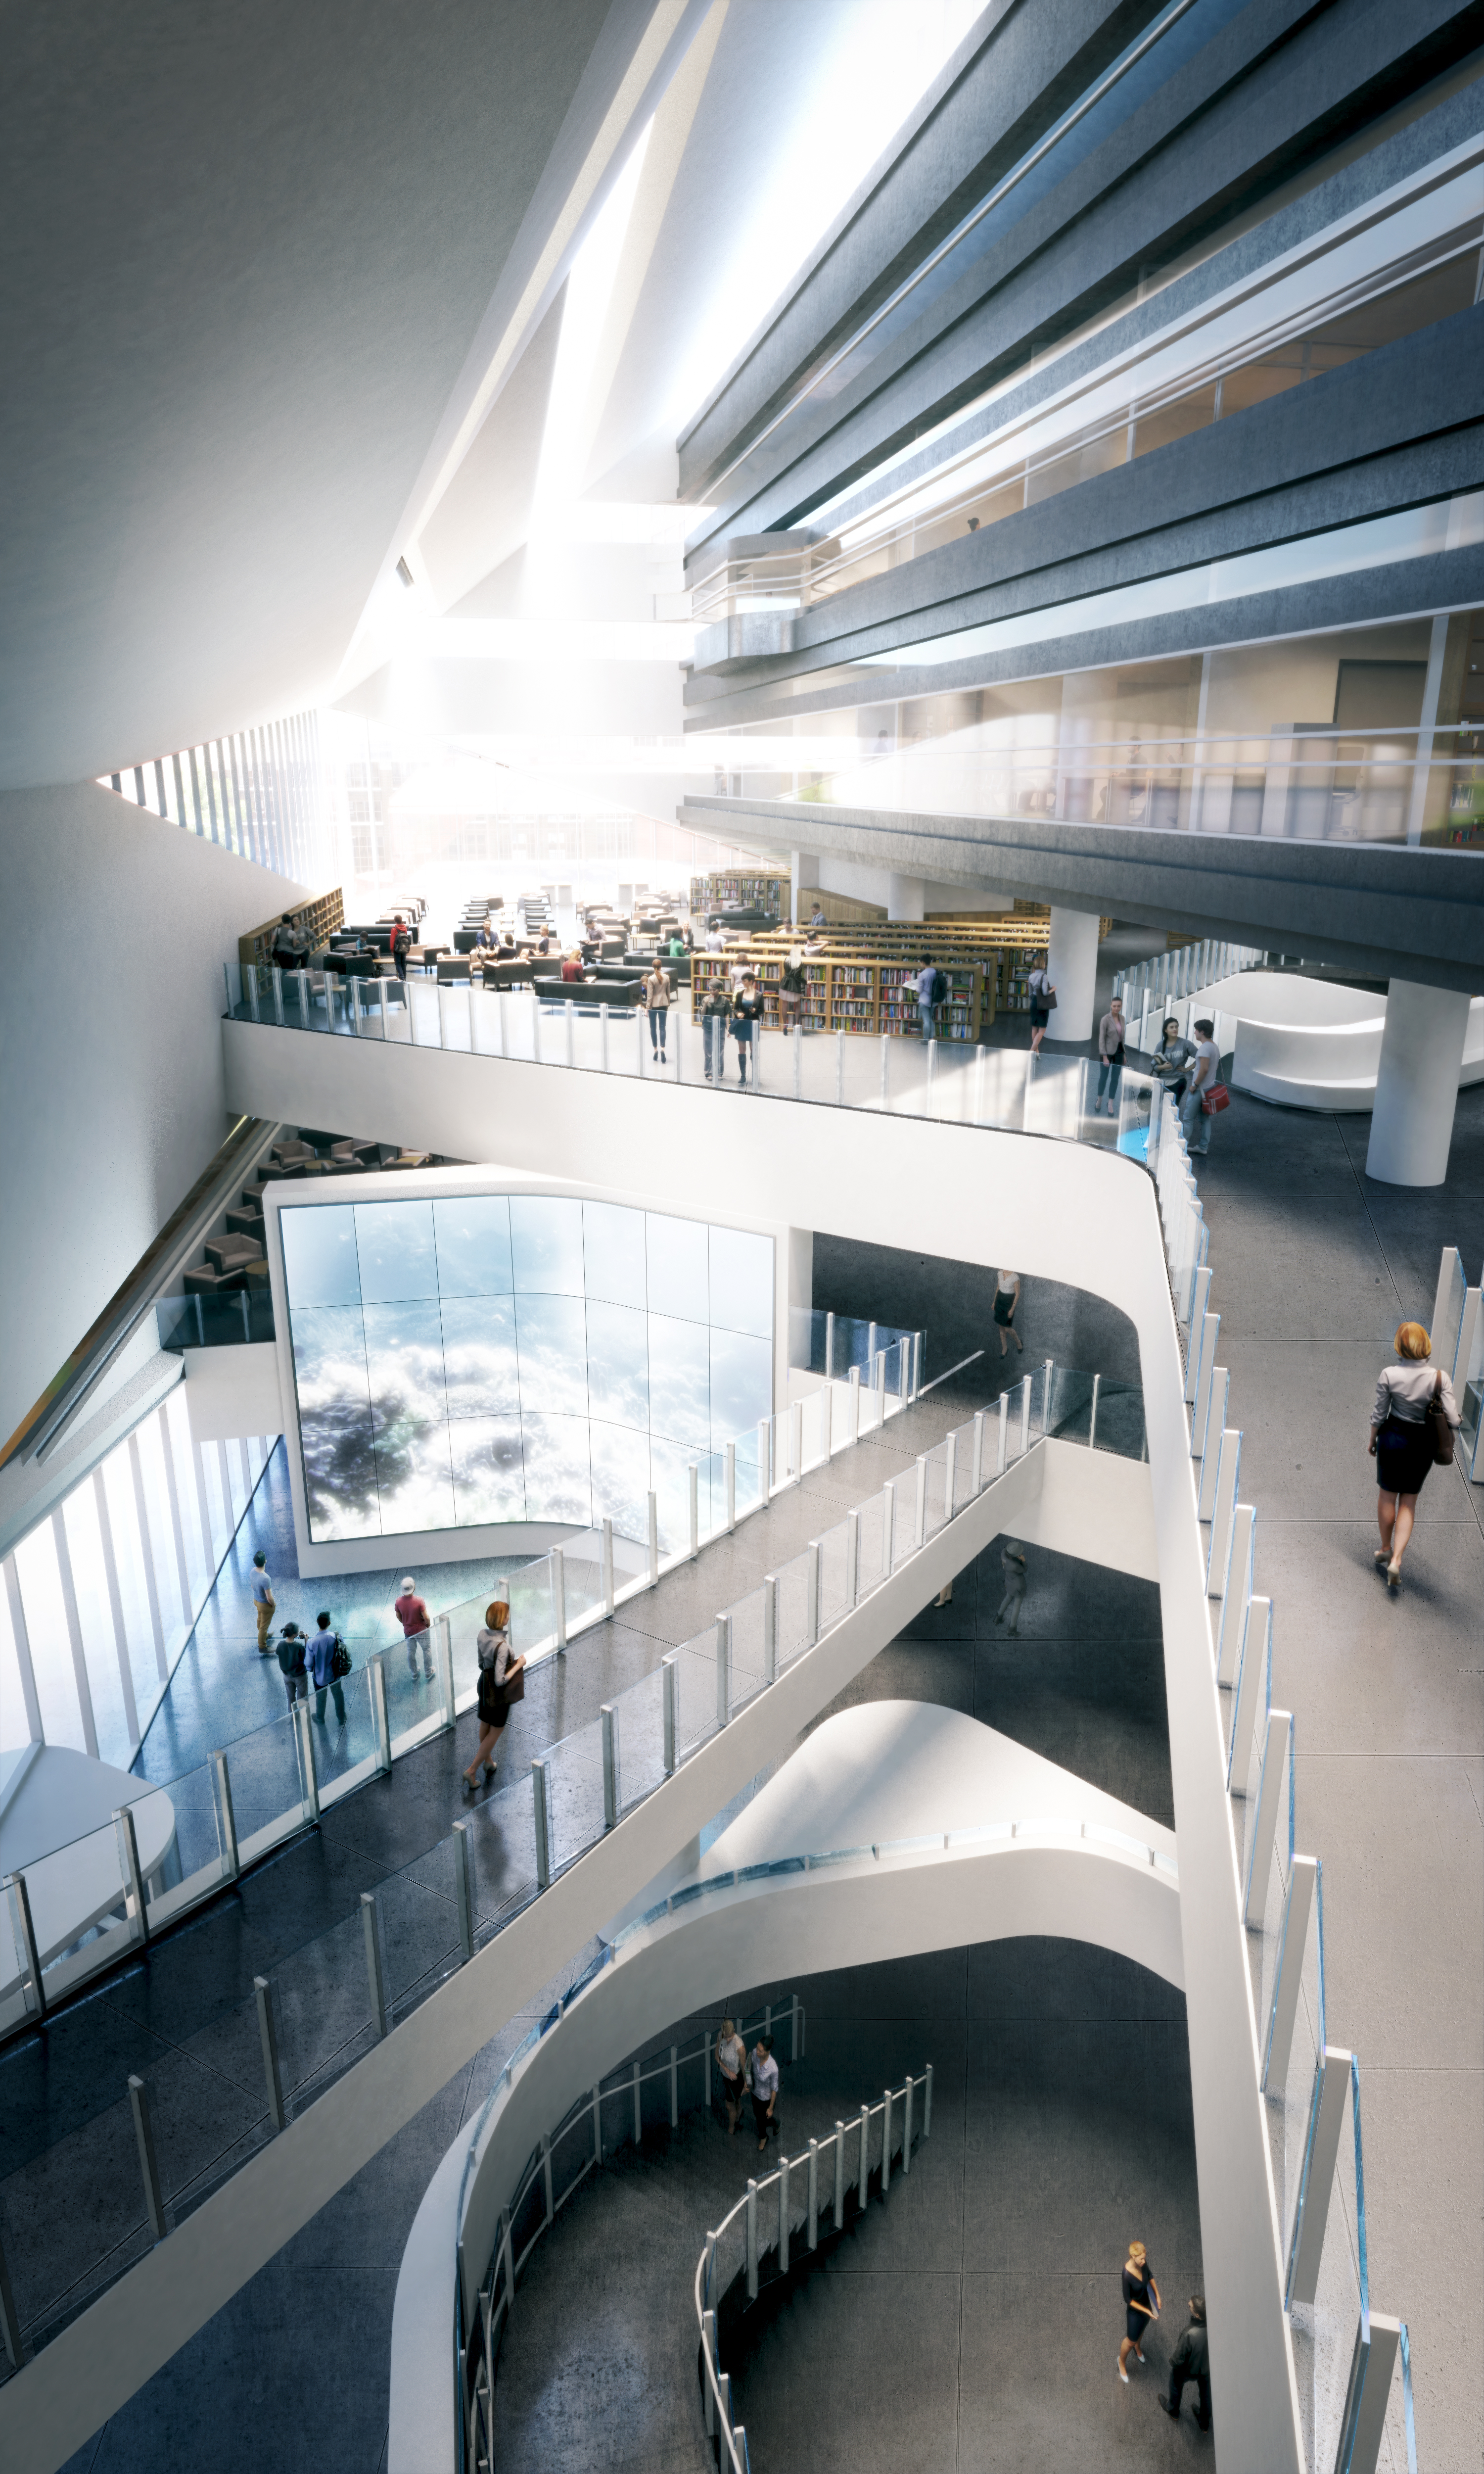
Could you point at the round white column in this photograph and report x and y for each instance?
(905, 897)
(1417, 1084)
(1072, 970)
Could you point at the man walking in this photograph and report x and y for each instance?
(263, 1601)
(1192, 2360)
(1203, 1070)
(411, 1613)
(1110, 1050)
(765, 2092)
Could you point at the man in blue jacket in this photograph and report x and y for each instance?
(320, 1646)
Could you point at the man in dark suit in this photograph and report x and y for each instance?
(1192, 2360)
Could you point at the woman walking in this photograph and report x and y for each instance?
(1412, 1401)
(655, 997)
(1042, 996)
(1006, 1296)
(1140, 2306)
(747, 1025)
(498, 1669)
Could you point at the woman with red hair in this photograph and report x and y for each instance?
(1409, 1397)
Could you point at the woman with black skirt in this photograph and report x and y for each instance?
(1401, 1440)
(498, 1667)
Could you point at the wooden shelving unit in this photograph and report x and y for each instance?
(733, 891)
(860, 993)
(320, 918)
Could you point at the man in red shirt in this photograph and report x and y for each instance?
(412, 1614)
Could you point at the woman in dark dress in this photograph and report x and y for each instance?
(499, 1667)
(1140, 2306)
(1401, 1440)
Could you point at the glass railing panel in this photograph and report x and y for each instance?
(529, 1594)
(581, 1583)
(751, 1473)
(345, 1729)
(711, 1492)
(502, 1849)
(77, 1906)
(640, 1713)
(177, 1833)
(872, 1544)
(1120, 1420)
(695, 1690)
(453, 1016)
(832, 1575)
(1071, 1405)
(793, 1608)
(746, 1675)
(574, 1793)
(322, 1997)
(936, 1500)
(423, 1007)
(268, 1786)
(417, 1920)
(396, 1013)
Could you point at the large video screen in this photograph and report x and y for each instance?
(489, 1357)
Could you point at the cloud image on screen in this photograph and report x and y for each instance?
(483, 1358)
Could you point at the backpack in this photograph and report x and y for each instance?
(402, 940)
(940, 988)
(339, 1658)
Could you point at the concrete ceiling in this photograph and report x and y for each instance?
(255, 266)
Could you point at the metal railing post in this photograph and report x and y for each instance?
(464, 1884)
(543, 1825)
(722, 1666)
(148, 2163)
(769, 1628)
(811, 1588)
(916, 1363)
(653, 1539)
(668, 1670)
(880, 1387)
(226, 1816)
(608, 1719)
(608, 1539)
(1093, 1414)
(976, 1473)
(376, 1973)
(442, 1645)
(309, 1783)
(919, 1504)
(133, 1880)
(381, 1720)
(814, 2195)
(782, 2216)
(839, 2176)
(556, 1571)
(23, 1934)
(752, 2238)
(1321, 2149)
(1046, 1401)
(1002, 1442)
(1287, 1983)
(730, 1472)
(693, 1477)
(708, 2349)
(853, 1380)
(886, 2144)
(268, 2038)
(928, 2101)
(906, 2125)
(1025, 1414)
(863, 2186)
(949, 1474)
(830, 1347)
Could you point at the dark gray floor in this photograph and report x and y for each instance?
(1314, 1265)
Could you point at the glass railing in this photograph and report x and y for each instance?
(98, 1901)
(1424, 787)
(222, 1319)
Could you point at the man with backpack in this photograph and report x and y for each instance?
(1042, 996)
(328, 1660)
(401, 945)
(932, 989)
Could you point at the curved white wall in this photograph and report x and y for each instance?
(1308, 1043)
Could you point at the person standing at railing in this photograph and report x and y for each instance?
(1042, 996)
(1205, 1071)
(654, 996)
(291, 1663)
(1013, 1570)
(1414, 1407)
(411, 1613)
(731, 2063)
(765, 2092)
(263, 1601)
(1109, 1049)
(328, 1660)
(747, 1025)
(500, 1686)
(1006, 1296)
(1171, 1057)
(791, 988)
(1140, 2307)
(715, 1014)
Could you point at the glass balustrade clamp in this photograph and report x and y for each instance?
(609, 1718)
(543, 1825)
(783, 2173)
(268, 2038)
(976, 1472)
(863, 2186)
(886, 2146)
(920, 1503)
(669, 1673)
(839, 2203)
(149, 2162)
(464, 1885)
(135, 1909)
(813, 2234)
(375, 1975)
(722, 1666)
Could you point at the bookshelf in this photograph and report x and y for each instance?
(864, 995)
(733, 891)
(320, 918)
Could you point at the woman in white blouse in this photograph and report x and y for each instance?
(1401, 1440)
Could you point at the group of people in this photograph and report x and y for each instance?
(319, 1658)
(1191, 2362)
(744, 2075)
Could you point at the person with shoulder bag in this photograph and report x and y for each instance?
(1412, 1425)
(1042, 996)
(1110, 1050)
(501, 1685)
(328, 1660)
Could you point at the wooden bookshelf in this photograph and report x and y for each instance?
(732, 890)
(862, 994)
(319, 917)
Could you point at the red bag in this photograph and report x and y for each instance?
(1213, 1101)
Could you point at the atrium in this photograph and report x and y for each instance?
(742, 1709)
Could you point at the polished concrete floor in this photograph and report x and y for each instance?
(1314, 1266)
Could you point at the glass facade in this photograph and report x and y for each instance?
(467, 1359)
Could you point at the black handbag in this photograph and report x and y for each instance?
(1440, 1432)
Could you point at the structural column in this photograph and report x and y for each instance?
(1072, 970)
(1417, 1084)
(905, 897)
(804, 874)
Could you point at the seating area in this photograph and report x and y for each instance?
(233, 1260)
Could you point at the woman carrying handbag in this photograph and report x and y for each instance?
(1412, 1425)
(501, 1685)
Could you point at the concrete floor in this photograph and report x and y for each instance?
(1314, 1266)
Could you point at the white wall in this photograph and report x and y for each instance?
(117, 927)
